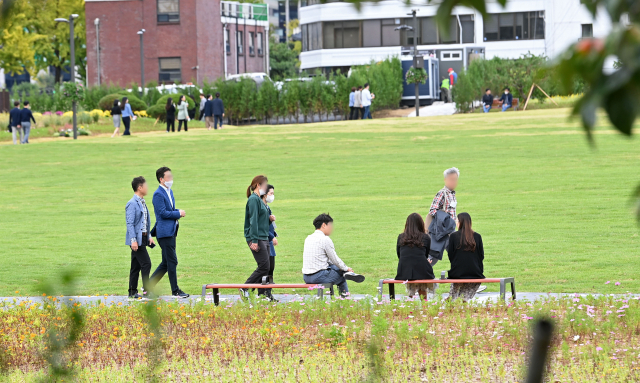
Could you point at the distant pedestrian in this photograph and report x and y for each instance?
(127, 115)
(171, 115)
(183, 112)
(367, 97)
(208, 112)
(203, 100)
(218, 111)
(116, 115)
(453, 81)
(444, 89)
(487, 101)
(15, 120)
(352, 99)
(26, 116)
(357, 103)
(506, 100)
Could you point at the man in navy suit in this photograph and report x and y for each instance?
(166, 230)
(218, 111)
(138, 238)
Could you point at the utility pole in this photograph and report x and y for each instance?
(286, 31)
(97, 24)
(72, 69)
(416, 61)
(141, 33)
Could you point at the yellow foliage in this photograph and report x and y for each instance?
(141, 113)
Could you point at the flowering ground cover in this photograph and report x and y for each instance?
(595, 340)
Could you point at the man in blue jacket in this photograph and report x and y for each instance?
(15, 121)
(506, 100)
(26, 117)
(166, 230)
(138, 238)
(208, 112)
(218, 111)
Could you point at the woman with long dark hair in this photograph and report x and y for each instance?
(127, 115)
(116, 114)
(183, 112)
(256, 229)
(171, 115)
(466, 255)
(412, 249)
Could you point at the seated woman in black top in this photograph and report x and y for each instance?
(466, 255)
(413, 251)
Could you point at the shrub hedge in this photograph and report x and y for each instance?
(106, 102)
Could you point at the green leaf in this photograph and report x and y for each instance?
(621, 107)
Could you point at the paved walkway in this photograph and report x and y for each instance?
(123, 300)
(438, 108)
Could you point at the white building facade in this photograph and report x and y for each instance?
(336, 35)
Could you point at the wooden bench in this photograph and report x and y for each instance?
(503, 284)
(267, 283)
(514, 104)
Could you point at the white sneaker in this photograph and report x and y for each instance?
(481, 288)
(357, 278)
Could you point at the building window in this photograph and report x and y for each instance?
(311, 37)
(451, 56)
(239, 40)
(371, 33)
(390, 37)
(260, 51)
(514, 26)
(168, 11)
(252, 50)
(227, 44)
(468, 29)
(341, 34)
(170, 70)
(587, 30)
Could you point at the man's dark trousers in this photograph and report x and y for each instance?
(169, 263)
(140, 264)
(217, 118)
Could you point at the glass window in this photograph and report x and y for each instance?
(406, 36)
(371, 33)
(491, 28)
(315, 31)
(468, 29)
(252, 50)
(506, 30)
(537, 19)
(170, 70)
(260, 52)
(351, 34)
(429, 30)
(587, 30)
(168, 11)
(240, 41)
(454, 34)
(390, 37)
(304, 29)
(514, 26)
(341, 34)
(227, 45)
(328, 35)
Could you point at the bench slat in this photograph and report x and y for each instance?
(486, 280)
(259, 286)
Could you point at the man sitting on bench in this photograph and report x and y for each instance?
(320, 263)
(506, 100)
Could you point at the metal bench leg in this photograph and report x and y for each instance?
(330, 287)
(380, 288)
(204, 291)
(216, 297)
(513, 289)
(502, 288)
(320, 293)
(392, 291)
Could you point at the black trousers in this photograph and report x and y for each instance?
(171, 122)
(216, 118)
(353, 113)
(272, 266)
(264, 264)
(180, 125)
(361, 110)
(168, 265)
(127, 125)
(140, 263)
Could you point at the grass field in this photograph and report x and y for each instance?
(553, 211)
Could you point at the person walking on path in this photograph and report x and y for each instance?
(367, 97)
(203, 101)
(15, 121)
(506, 99)
(127, 116)
(166, 231)
(138, 238)
(26, 116)
(352, 98)
(171, 115)
(256, 229)
(208, 112)
(466, 254)
(444, 89)
(218, 111)
(273, 240)
(357, 103)
(116, 115)
(487, 101)
(183, 112)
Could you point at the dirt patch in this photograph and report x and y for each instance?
(390, 113)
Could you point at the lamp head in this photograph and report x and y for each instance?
(61, 20)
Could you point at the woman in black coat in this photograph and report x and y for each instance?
(413, 253)
(466, 255)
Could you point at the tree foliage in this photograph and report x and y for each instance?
(283, 61)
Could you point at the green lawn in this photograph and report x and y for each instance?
(553, 212)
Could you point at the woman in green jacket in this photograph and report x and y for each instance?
(256, 229)
(183, 112)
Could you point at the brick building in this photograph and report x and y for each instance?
(184, 40)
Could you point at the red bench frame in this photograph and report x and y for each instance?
(503, 284)
(267, 283)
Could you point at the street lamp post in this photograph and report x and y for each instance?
(417, 62)
(141, 33)
(72, 66)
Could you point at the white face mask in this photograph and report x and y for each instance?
(270, 198)
(168, 184)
